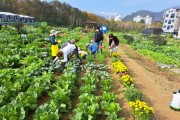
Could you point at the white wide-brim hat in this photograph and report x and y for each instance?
(53, 32)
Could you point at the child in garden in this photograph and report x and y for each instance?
(93, 48)
(82, 53)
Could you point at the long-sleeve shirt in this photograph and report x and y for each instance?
(115, 39)
(98, 36)
(82, 53)
(52, 40)
(67, 50)
(93, 48)
(65, 44)
(70, 48)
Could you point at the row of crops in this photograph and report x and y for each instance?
(30, 88)
(140, 109)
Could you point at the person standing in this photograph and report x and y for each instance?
(98, 38)
(54, 44)
(113, 43)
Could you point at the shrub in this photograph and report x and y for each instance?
(19, 27)
(158, 40)
(133, 94)
(129, 38)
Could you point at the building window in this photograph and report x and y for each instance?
(165, 21)
(168, 26)
(169, 22)
(172, 20)
(164, 26)
(167, 15)
(172, 15)
(171, 26)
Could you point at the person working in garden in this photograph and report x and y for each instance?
(54, 44)
(66, 51)
(113, 43)
(72, 41)
(82, 53)
(93, 48)
(98, 38)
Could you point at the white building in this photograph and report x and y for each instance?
(110, 17)
(172, 20)
(117, 18)
(147, 19)
(179, 33)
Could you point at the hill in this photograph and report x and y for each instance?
(156, 16)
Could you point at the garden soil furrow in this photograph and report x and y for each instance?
(117, 89)
(157, 85)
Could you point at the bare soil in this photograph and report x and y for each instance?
(156, 84)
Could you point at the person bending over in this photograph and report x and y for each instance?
(93, 48)
(66, 43)
(113, 43)
(66, 51)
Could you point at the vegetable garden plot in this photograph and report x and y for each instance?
(28, 74)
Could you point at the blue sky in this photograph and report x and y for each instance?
(120, 7)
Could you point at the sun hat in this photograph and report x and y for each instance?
(53, 32)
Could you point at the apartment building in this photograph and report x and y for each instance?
(117, 18)
(114, 17)
(147, 19)
(171, 22)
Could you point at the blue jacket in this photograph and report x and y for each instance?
(52, 40)
(93, 48)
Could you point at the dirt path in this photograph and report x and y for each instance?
(156, 85)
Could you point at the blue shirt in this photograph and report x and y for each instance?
(93, 48)
(52, 40)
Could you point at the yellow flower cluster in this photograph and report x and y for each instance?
(141, 108)
(119, 67)
(126, 79)
(115, 54)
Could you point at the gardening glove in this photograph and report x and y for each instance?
(81, 67)
(55, 60)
